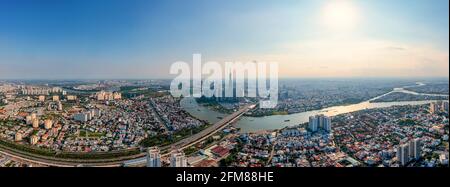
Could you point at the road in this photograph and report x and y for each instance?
(138, 159)
(210, 130)
(192, 140)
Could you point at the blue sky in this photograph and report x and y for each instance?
(141, 38)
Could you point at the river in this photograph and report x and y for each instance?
(252, 124)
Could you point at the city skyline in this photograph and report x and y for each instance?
(141, 39)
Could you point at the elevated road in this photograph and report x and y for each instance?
(139, 159)
(192, 140)
(187, 142)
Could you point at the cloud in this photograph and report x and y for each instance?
(357, 58)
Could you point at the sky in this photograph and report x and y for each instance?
(108, 39)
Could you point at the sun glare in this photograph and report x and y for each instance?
(340, 15)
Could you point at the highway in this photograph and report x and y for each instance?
(139, 159)
(192, 140)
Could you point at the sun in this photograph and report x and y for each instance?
(340, 15)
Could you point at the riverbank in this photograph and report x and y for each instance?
(252, 124)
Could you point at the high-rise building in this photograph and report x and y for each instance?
(313, 124)
(18, 137)
(415, 149)
(33, 116)
(28, 120)
(319, 121)
(326, 123)
(60, 107)
(95, 112)
(434, 108)
(34, 139)
(403, 154)
(411, 150)
(117, 96)
(71, 97)
(41, 98)
(153, 157)
(82, 117)
(101, 96)
(178, 159)
(445, 106)
(48, 124)
(35, 123)
(55, 98)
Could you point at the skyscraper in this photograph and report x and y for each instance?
(409, 151)
(326, 123)
(313, 123)
(153, 157)
(415, 149)
(403, 154)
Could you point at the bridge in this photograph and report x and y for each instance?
(139, 159)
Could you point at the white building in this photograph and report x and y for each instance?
(71, 97)
(178, 159)
(108, 96)
(34, 139)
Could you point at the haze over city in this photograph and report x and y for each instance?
(265, 84)
(141, 39)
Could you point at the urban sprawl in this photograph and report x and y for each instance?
(57, 122)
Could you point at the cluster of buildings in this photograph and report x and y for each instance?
(289, 147)
(372, 136)
(36, 130)
(172, 114)
(302, 96)
(436, 107)
(34, 90)
(57, 98)
(385, 137)
(409, 151)
(122, 124)
(108, 96)
(87, 116)
(86, 126)
(177, 158)
(319, 122)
